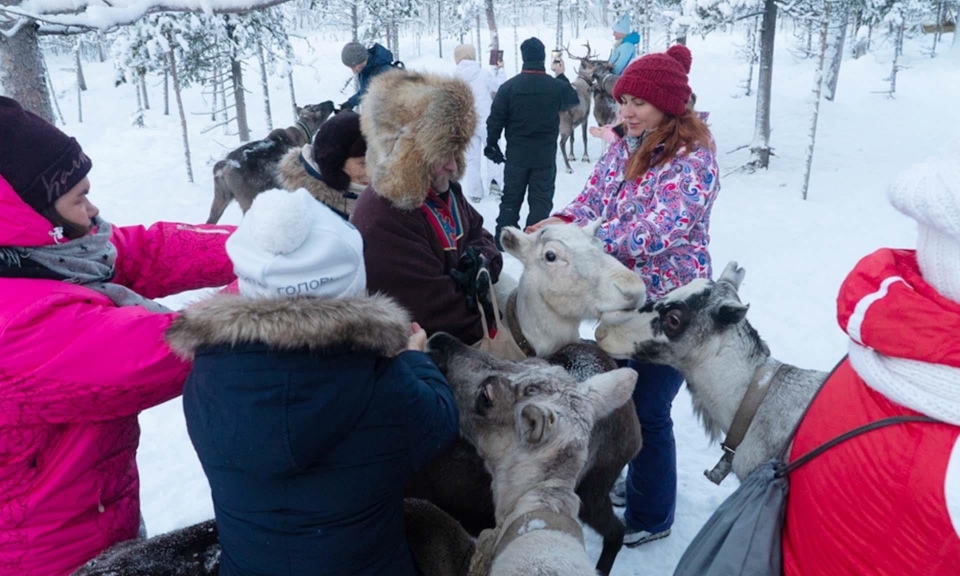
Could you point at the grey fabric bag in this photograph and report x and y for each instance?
(743, 535)
(742, 538)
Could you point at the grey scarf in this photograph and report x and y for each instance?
(89, 261)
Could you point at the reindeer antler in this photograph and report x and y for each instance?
(590, 54)
(566, 48)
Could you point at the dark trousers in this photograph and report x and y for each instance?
(652, 474)
(516, 180)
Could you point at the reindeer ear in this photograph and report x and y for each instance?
(733, 274)
(515, 242)
(591, 228)
(536, 423)
(730, 313)
(610, 390)
(298, 109)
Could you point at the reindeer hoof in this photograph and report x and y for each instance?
(569, 170)
(586, 159)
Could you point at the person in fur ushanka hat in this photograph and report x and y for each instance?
(310, 402)
(333, 167)
(423, 242)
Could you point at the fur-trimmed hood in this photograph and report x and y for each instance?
(412, 122)
(367, 323)
(293, 175)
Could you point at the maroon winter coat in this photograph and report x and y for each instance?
(405, 259)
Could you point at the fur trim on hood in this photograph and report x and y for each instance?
(292, 175)
(412, 122)
(365, 323)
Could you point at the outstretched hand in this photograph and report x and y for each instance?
(418, 338)
(544, 222)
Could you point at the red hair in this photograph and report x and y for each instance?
(687, 130)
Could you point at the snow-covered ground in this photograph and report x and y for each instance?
(796, 253)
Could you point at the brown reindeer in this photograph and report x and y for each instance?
(579, 115)
(250, 169)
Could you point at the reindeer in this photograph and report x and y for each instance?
(533, 425)
(251, 168)
(579, 115)
(601, 79)
(701, 330)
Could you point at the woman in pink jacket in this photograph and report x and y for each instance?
(83, 349)
(653, 190)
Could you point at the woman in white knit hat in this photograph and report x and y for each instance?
(484, 85)
(888, 501)
(309, 402)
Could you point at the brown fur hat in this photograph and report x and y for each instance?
(412, 122)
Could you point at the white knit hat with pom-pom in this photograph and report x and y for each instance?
(289, 243)
(929, 192)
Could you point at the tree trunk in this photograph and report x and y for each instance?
(100, 54)
(81, 81)
(492, 27)
(240, 99)
(896, 60)
(760, 148)
(143, 88)
(183, 117)
(265, 85)
(355, 20)
(857, 18)
(682, 35)
(138, 116)
(646, 26)
(293, 94)
(166, 92)
(79, 104)
(439, 23)
(752, 43)
(936, 35)
(817, 89)
(836, 56)
(23, 76)
(559, 41)
(53, 96)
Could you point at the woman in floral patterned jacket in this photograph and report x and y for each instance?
(653, 190)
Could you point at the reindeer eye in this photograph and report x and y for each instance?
(550, 256)
(531, 390)
(672, 322)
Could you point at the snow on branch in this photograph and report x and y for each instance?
(108, 14)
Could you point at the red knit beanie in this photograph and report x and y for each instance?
(659, 79)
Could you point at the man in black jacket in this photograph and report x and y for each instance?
(528, 107)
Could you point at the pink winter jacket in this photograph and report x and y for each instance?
(74, 372)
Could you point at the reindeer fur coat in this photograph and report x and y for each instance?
(411, 123)
(307, 421)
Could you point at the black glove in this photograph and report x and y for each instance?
(492, 151)
(346, 106)
(466, 272)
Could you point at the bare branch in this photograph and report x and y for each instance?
(111, 16)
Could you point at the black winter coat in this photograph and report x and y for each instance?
(307, 429)
(528, 107)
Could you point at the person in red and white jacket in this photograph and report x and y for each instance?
(887, 502)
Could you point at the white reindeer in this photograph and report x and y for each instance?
(567, 277)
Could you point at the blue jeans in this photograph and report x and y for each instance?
(652, 474)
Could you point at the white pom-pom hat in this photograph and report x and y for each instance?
(929, 192)
(290, 244)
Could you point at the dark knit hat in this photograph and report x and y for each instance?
(39, 161)
(338, 140)
(659, 79)
(353, 53)
(532, 50)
